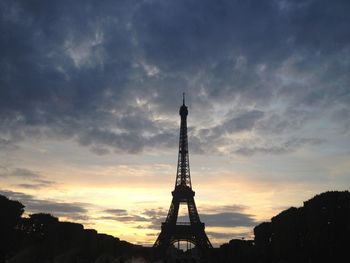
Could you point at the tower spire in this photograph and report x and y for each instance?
(183, 164)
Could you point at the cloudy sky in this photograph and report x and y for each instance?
(89, 99)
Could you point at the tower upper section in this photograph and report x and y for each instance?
(183, 177)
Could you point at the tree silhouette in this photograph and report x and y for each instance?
(10, 216)
(317, 232)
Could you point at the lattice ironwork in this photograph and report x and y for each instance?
(172, 230)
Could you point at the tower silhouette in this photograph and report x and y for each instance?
(172, 230)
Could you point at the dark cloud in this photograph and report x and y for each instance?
(155, 213)
(100, 150)
(115, 211)
(227, 236)
(34, 186)
(156, 217)
(74, 211)
(37, 184)
(29, 179)
(24, 173)
(233, 123)
(220, 216)
(122, 215)
(151, 217)
(126, 219)
(7, 145)
(245, 121)
(228, 219)
(341, 115)
(16, 195)
(280, 148)
(225, 208)
(102, 73)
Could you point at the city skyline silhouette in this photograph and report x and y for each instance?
(316, 232)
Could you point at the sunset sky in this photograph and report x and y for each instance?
(89, 100)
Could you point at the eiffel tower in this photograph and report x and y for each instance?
(173, 231)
